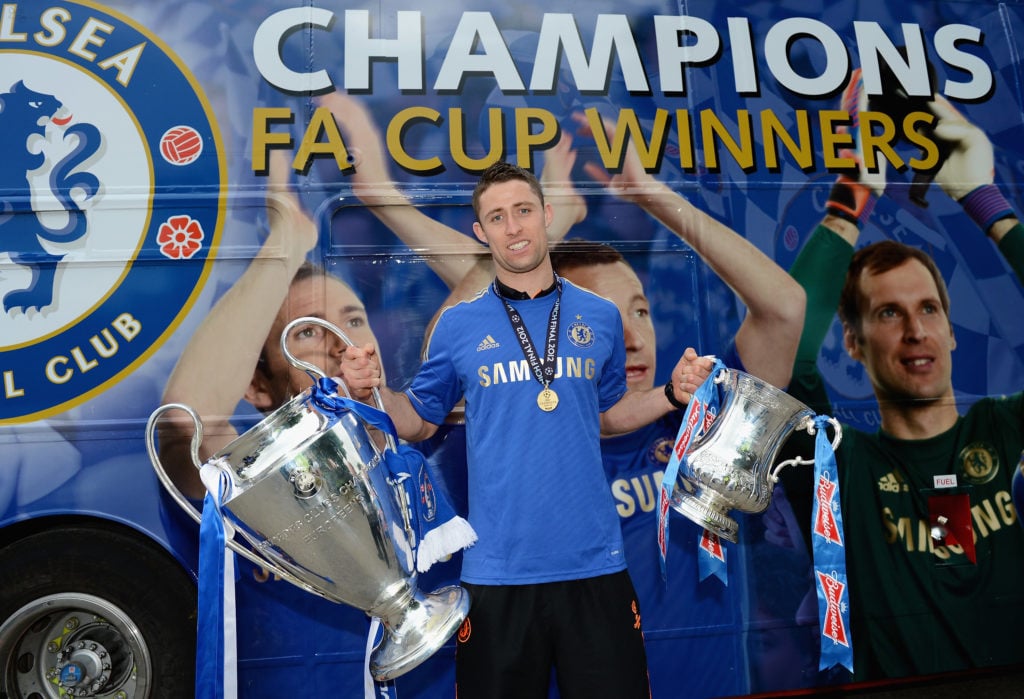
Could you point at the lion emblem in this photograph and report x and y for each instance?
(24, 115)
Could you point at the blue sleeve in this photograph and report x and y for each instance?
(613, 375)
(436, 388)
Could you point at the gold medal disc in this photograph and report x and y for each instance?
(547, 400)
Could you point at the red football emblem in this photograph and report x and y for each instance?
(181, 145)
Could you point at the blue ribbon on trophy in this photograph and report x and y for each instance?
(216, 648)
(829, 551)
(439, 532)
(700, 413)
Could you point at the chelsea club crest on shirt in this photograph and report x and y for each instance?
(580, 334)
(103, 131)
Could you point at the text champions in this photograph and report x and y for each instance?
(696, 140)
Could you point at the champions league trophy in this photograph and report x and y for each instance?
(730, 465)
(310, 493)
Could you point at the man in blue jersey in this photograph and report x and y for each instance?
(540, 363)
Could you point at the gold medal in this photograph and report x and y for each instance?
(547, 400)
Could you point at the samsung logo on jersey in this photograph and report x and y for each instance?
(100, 254)
(512, 372)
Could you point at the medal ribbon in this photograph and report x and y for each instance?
(543, 370)
(829, 553)
(700, 413)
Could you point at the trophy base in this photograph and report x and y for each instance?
(425, 626)
(706, 512)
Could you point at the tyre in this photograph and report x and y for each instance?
(94, 611)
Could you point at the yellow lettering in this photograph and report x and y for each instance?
(929, 149)
(394, 139)
(835, 138)
(891, 531)
(485, 379)
(526, 140)
(645, 489)
(627, 125)
(620, 491)
(714, 131)
(905, 531)
(1006, 509)
(873, 143)
(457, 136)
(684, 129)
(574, 367)
(263, 139)
(802, 149)
(590, 368)
(322, 122)
(985, 518)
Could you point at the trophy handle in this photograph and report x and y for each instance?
(185, 504)
(807, 424)
(314, 370)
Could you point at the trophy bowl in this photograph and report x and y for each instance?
(730, 466)
(308, 493)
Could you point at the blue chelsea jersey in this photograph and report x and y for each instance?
(538, 496)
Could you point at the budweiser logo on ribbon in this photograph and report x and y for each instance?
(825, 524)
(711, 544)
(833, 626)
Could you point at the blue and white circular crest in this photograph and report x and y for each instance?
(580, 334)
(110, 202)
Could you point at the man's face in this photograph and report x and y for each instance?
(513, 223)
(906, 340)
(322, 297)
(618, 283)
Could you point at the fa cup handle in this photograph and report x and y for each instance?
(316, 371)
(806, 424)
(184, 503)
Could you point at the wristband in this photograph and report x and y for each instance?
(986, 205)
(671, 395)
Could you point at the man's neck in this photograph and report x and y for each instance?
(918, 419)
(526, 285)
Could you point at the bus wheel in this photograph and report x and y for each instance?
(89, 611)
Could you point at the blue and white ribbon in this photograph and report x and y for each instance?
(829, 552)
(700, 413)
(216, 647)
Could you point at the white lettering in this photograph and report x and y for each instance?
(407, 48)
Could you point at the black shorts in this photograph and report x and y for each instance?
(588, 631)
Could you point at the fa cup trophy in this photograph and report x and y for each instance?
(310, 494)
(731, 465)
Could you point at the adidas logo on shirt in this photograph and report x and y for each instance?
(891, 483)
(487, 343)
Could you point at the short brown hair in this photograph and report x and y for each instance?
(574, 253)
(504, 172)
(879, 258)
